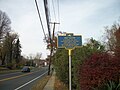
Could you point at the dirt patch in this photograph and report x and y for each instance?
(59, 85)
(41, 83)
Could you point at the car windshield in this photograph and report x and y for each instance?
(25, 67)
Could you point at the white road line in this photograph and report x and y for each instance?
(30, 81)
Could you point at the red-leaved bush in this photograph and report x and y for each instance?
(117, 44)
(98, 69)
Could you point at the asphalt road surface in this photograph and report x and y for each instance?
(20, 80)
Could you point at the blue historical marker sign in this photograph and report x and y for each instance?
(69, 41)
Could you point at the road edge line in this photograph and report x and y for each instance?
(30, 81)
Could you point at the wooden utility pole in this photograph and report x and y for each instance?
(49, 32)
(51, 48)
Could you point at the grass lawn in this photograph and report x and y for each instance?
(6, 70)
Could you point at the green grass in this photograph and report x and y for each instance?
(2, 68)
(6, 70)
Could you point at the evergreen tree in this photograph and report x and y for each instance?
(17, 51)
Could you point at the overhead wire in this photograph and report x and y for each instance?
(49, 32)
(54, 10)
(48, 7)
(40, 18)
(58, 7)
(47, 13)
(58, 11)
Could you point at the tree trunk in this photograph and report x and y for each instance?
(3, 60)
(50, 61)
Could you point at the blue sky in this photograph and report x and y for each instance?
(85, 17)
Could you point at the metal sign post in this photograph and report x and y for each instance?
(69, 52)
(69, 42)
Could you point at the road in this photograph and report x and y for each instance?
(21, 81)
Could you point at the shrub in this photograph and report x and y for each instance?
(11, 65)
(98, 69)
(110, 85)
(61, 65)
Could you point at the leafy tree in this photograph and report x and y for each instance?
(102, 67)
(99, 69)
(79, 56)
(117, 43)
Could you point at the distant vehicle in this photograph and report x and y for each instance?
(25, 69)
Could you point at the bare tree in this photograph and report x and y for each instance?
(4, 24)
(8, 45)
(4, 28)
(109, 36)
(38, 56)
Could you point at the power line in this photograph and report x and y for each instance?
(49, 32)
(58, 14)
(54, 10)
(58, 11)
(48, 6)
(40, 18)
(47, 18)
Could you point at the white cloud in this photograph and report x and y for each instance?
(25, 22)
(86, 17)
